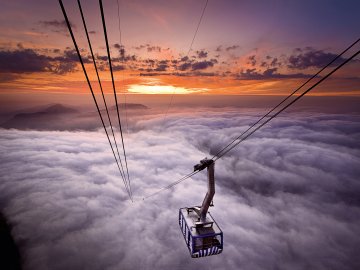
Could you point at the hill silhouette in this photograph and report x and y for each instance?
(62, 117)
(35, 120)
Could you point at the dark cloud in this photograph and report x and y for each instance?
(161, 67)
(23, 61)
(123, 61)
(252, 60)
(118, 67)
(287, 198)
(275, 63)
(150, 48)
(219, 48)
(121, 50)
(163, 62)
(72, 56)
(267, 62)
(184, 66)
(140, 47)
(154, 66)
(270, 73)
(150, 62)
(117, 46)
(202, 54)
(63, 67)
(101, 57)
(154, 49)
(129, 58)
(92, 32)
(30, 60)
(68, 61)
(233, 47)
(57, 25)
(309, 57)
(202, 65)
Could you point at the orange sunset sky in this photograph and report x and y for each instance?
(241, 48)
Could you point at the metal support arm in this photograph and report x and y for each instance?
(210, 165)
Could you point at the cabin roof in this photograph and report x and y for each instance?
(192, 217)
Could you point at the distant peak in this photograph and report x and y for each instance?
(130, 106)
(59, 108)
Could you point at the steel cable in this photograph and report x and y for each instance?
(89, 84)
(113, 84)
(102, 92)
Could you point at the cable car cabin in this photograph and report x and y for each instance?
(202, 238)
(202, 235)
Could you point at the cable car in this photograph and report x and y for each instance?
(202, 234)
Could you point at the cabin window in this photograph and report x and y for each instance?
(207, 242)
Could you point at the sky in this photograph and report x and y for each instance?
(241, 47)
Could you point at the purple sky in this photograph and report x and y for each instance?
(241, 48)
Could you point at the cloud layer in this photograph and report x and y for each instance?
(23, 60)
(286, 199)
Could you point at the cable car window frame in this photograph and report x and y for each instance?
(190, 237)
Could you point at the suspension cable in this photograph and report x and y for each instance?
(288, 105)
(113, 84)
(122, 56)
(119, 24)
(187, 55)
(197, 28)
(89, 84)
(172, 184)
(102, 93)
(170, 104)
(285, 99)
(268, 120)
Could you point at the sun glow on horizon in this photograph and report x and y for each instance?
(162, 89)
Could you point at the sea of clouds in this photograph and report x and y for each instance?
(287, 198)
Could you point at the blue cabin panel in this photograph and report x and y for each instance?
(201, 241)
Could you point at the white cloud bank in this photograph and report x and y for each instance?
(288, 198)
